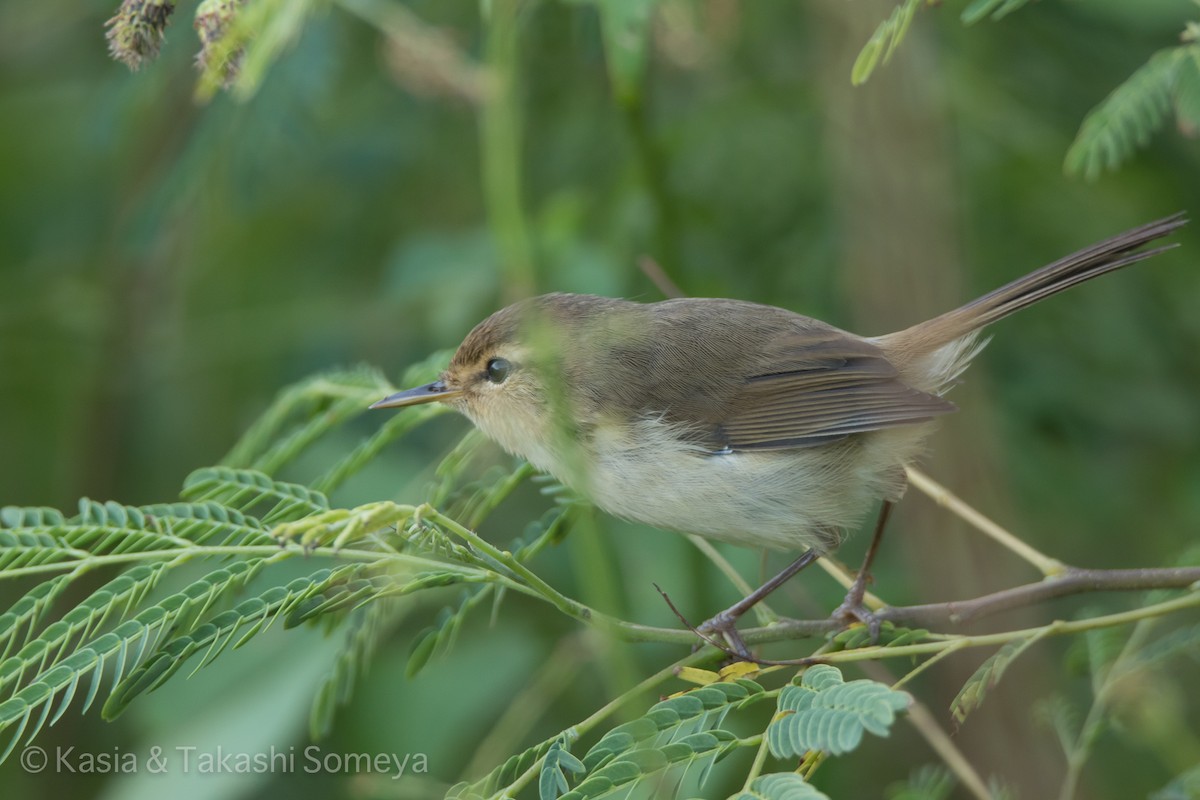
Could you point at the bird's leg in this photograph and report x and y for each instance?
(852, 608)
(725, 623)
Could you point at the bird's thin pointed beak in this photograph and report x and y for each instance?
(429, 393)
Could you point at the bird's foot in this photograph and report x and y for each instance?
(723, 628)
(720, 631)
(852, 610)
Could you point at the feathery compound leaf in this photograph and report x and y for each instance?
(308, 400)
(243, 489)
(439, 638)
(970, 697)
(214, 636)
(394, 428)
(824, 713)
(25, 614)
(116, 648)
(504, 774)
(208, 523)
(1125, 119)
(624, 771)
(780, 786)
(33, 517)
(889, 636)
(33, 550)
(883, 43)
(672, 719)
(996, 9)
(1187, 94)
(341, 526)
(1185, 641)
(113, 600)
(368, 626)
(552, 780)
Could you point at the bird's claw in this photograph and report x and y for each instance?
(723, 626)
(852, 611)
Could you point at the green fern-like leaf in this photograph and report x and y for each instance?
(996, 9)
(18, 623)
(1187, 94)
(1182, 642)
(245, 489)
(552, 780)
(29, 709)
(824, 713)
(889, 635)
(112, 601)
(780, 786)
(366, 629)
(970, 697)
(1125, 120)
(339, 527)
(625, 770)
(209, 523)
(33, 551)
(33, 517)
(673, 719)
(233, 627)
(883, 43)
(504, 774)
(306, 404)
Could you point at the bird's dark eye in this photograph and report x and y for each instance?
(497, 370)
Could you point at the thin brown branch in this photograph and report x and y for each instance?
(1071, 582)
(659, 277)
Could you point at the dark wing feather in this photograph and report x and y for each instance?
(823, 385)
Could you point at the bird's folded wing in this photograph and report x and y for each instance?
(822, 385)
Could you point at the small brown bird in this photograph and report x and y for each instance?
(733, 420)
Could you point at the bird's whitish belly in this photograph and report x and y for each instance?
(782, 499)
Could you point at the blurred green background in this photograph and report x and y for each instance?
(167, 267)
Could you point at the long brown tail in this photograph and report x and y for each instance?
(1107, 256)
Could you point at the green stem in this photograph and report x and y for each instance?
(583, 727)
(1057, 628)
(760, 759)
(1090, 728)
(500, 141)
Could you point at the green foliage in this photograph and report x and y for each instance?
(1110, 133)
(366, 628)
(890, 635)
(552, 779)
(626, 29)
(927, 782)
(1136, 109)
(672, 720)
(626, 768)
(245, 489)
(506, 774)
(824, 713)
(780, 786)
(979, 10)
(987, 676)
(1185, 786)
(883, 43)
